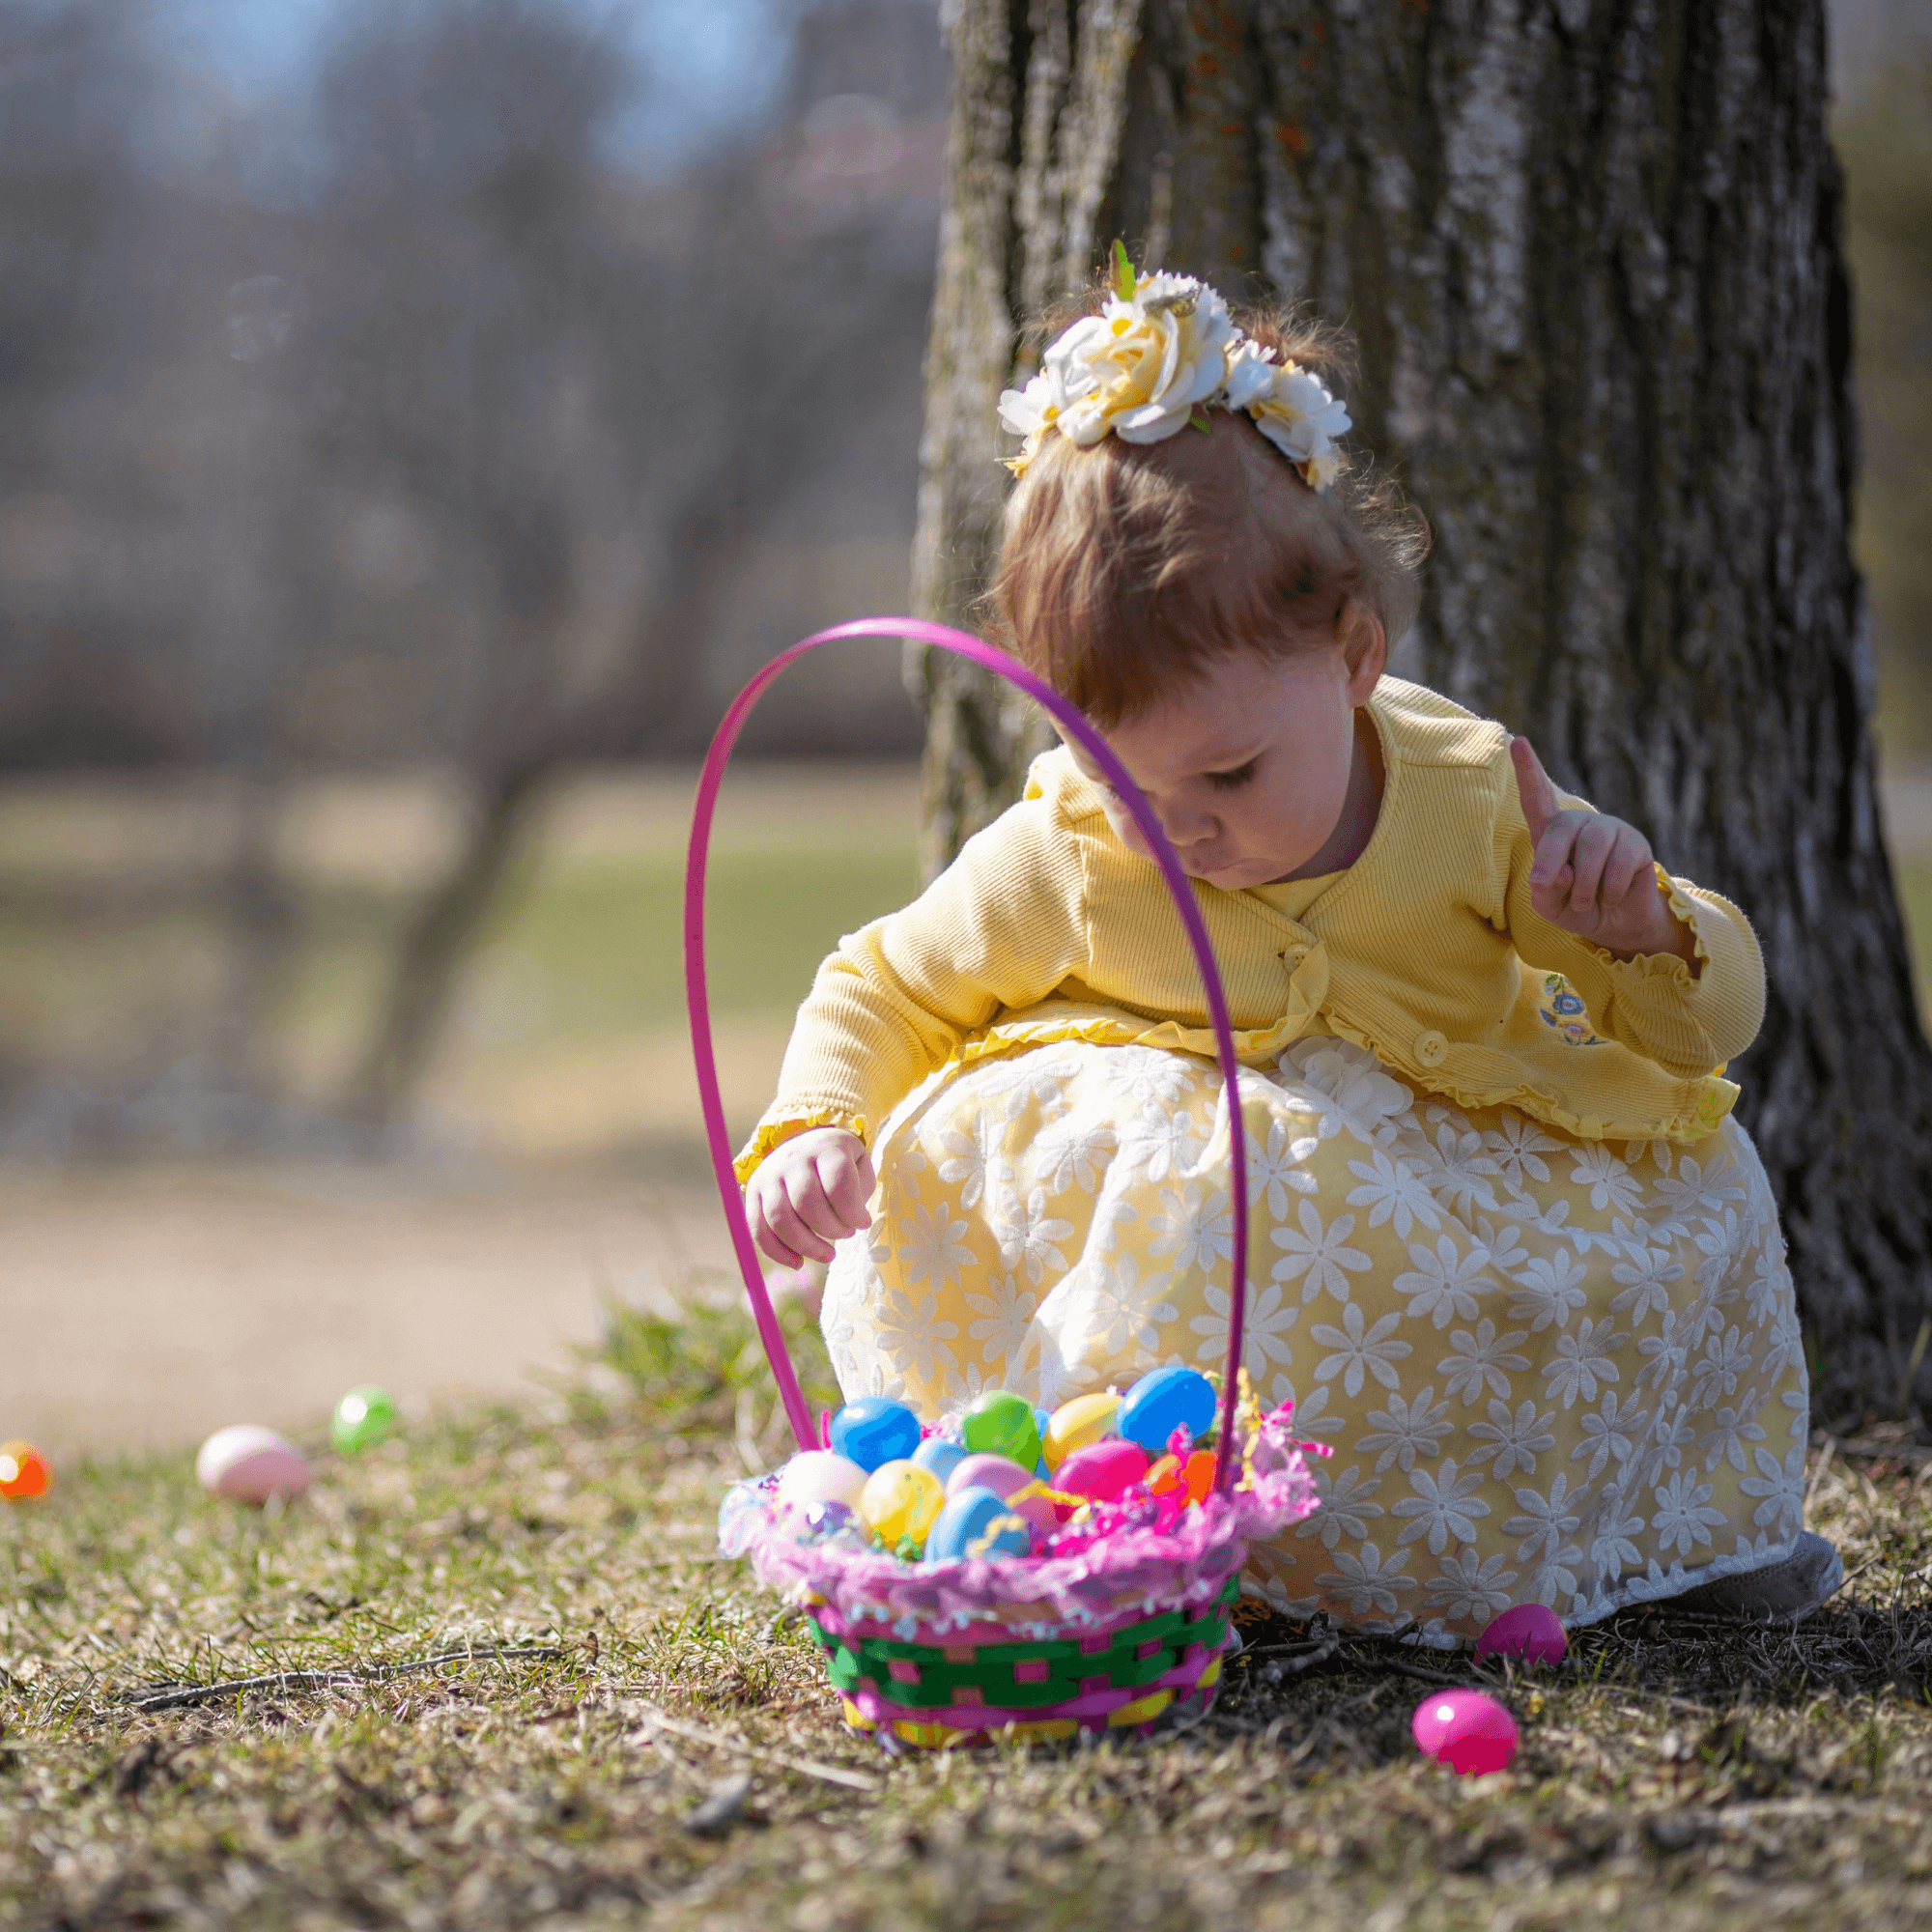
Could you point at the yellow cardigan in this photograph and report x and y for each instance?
(1426, 951)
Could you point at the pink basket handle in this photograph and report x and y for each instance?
(943, 637)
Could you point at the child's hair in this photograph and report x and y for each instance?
(1127, 567)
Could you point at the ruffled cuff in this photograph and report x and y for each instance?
(1686, 973)
(775, 1130)
(1696, 1013)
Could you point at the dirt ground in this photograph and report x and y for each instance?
(146, 1309)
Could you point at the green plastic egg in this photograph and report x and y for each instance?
(1003, 1424)
(362, 1418)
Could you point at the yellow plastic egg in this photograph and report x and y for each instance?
(1086, 1418)
(900, 1501)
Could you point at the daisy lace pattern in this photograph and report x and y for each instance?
(1549, 1370)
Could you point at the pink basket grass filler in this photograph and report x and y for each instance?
(935, 1654)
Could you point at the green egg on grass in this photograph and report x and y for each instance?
(362, 1418)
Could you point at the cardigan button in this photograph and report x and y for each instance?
(1431, 1048)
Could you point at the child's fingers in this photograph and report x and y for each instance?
(1628, 870)
(1596, 841)
(793, 1234)
(1551, 863)
(1540, 801)
(815, 1207)
(769, 1243)
(847, 1186)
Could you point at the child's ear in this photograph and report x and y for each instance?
(1364, 649)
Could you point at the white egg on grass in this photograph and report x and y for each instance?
(251, 1464)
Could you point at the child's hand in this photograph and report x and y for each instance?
(1593, 874)
(807, 1192)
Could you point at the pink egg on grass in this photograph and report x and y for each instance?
(1532, 1632)
(1467, 1730)
(251, 1464)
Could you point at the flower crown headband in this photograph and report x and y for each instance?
(1161, 352)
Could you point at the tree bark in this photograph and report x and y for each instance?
(1591, 251)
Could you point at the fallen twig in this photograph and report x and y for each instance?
(176, 1696)
(1403, 1669)
(828, 1774)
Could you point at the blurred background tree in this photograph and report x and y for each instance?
(472, 399)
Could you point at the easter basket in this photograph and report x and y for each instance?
(1121, 1617)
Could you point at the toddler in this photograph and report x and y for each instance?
(1513, 1261)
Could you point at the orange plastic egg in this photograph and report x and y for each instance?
(23, 1472)
(1196, 1475)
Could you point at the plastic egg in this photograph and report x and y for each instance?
(251, 1464)
(1467, 1730)
(1531, 1632)
(900, 1501)
(1102, 1470)
(1196, 1475)
(821, 1476)
(362, 1418)
(1162, 1401)
(827, 1522)
(874, 1430)
(24, 1474)
(978, 1522)
(1073, 1425)
(1004, 1477)
(1002, 1424)
(940, 1454)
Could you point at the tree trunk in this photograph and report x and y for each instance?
(1591, 250)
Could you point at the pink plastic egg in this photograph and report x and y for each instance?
(251, 1464)
(998, 1474)
(1102, 1470)
(1007, 1480)
(1530, 1631)
(1467, 1730)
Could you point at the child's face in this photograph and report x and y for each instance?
(1249, 767)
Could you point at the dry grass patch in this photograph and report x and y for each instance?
(642, 1737)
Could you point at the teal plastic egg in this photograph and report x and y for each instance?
(978, 1522)
(1002, 1424)
(1162, 1401)
(874, 1430)
(941, 1455)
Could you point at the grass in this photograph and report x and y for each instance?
(114, 961)
(1671, 1773)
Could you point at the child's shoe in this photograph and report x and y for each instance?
(1780, 1592)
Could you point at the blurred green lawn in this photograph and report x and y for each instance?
(567, 1036)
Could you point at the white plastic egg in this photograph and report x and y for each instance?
(251, 1464)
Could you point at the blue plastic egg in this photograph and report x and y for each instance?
(976, 1522)
(1162, 1401)
(941, 1455)
(874, 1430)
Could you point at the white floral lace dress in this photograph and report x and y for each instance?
(1549, 1369)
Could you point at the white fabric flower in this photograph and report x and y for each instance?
(1137, 370)
(1294, 408)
